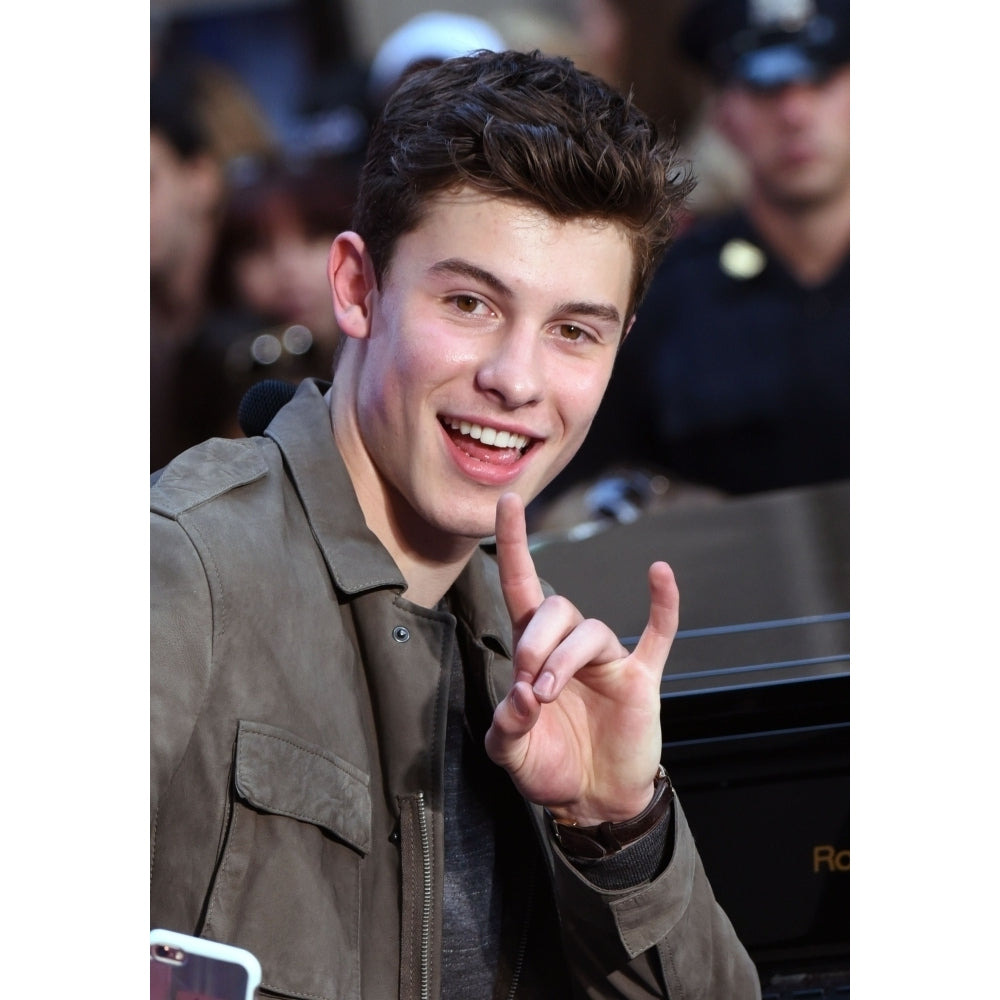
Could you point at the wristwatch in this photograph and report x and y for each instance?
(605, 839)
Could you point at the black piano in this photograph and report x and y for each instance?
(756, 706)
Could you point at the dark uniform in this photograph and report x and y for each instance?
(734, 375)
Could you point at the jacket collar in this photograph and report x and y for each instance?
(356, 559)
(477, 599)
(302, 431)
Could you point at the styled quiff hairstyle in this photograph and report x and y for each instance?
(527, 127)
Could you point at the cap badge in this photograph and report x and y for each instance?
(741, 260)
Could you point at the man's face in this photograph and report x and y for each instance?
(795, 139)
(488, 350)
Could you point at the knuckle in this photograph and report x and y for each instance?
(559, 604)
(530, 654)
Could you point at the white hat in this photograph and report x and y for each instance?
(431, 35)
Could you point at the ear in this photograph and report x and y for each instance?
(352, 281)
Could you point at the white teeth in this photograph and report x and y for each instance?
(489, 435)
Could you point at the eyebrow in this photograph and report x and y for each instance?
(464, 268)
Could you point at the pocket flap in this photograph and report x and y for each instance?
(278, 773)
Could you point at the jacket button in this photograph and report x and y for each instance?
(401, 634)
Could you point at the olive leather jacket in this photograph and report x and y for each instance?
(297, 726)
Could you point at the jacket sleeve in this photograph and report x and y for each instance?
(180, 652)
(669, 938)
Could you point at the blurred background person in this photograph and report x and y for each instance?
(271, 273)
(201, 120)
(736, 374)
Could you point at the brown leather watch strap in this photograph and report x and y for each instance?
(605, 839)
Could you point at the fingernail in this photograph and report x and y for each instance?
(545, 686)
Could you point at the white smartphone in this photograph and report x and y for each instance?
(182, 967)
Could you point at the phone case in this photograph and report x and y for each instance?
(182, 967)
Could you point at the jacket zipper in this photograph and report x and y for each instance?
(522, 945)
(426, 905)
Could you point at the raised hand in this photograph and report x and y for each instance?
(579, 731)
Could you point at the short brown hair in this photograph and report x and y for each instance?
(528, 127)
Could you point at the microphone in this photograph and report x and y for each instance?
(260, 404)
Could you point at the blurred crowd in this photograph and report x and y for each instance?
(734, 378)
(240, 226)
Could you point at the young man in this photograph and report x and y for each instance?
(384, 761)
(737, 376)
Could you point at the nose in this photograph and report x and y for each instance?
(796, 103)
(511, 370)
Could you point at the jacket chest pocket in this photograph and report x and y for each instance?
(288, 883)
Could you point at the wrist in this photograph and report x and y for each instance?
(617, 807)
(603, 839)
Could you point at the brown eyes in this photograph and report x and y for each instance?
(466, 303)
(470, 305)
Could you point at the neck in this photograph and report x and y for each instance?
(429, 560)
(426, 581)
(811, 240)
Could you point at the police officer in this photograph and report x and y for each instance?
(736, 373)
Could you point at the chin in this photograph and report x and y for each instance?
(470, 525)
(466, 518)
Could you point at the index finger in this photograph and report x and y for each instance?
(522, 590)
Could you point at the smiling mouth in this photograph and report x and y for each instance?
(500, 439)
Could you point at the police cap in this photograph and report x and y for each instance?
(767, 43)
